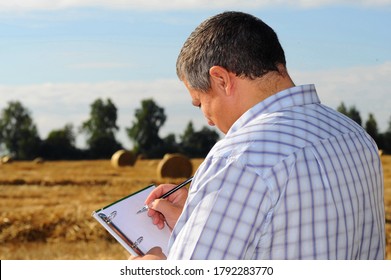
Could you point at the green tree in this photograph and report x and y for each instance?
(386, 139)
(170, 144)
(198, 143)
(372, 129)
(101, 128)
(60, 144)
(144, 131)
(342, 109)
(352, 113)
(18, 132)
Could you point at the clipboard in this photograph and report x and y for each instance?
(135, 232)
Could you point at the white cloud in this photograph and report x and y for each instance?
(54, 105)
(28, 5)
(366, 88)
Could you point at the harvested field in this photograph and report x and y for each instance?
(45, 209)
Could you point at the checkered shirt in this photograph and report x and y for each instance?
(292, 179)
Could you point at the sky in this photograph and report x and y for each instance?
(58, 56)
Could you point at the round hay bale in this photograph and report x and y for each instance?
(6, 159)
(38, 160)
(174, 166)
(123, 158)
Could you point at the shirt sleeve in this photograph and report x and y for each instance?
(224, 216)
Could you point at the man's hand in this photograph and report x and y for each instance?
(166, 210)
(154, 254)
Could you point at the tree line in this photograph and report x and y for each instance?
(383, 140)
(19, 135)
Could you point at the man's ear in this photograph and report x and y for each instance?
(221, 78)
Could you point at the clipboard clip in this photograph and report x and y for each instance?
(108, 219)
(137, 242)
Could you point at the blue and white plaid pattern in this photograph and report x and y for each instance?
(292, 179)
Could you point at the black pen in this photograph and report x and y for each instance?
(181, 185)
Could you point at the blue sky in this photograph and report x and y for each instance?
(57, 57)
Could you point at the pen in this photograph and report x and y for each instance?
(181, 185)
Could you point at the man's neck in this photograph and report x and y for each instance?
(257, 90)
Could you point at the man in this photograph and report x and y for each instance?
(292, 178)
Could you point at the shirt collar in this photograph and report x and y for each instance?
(295, 96)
